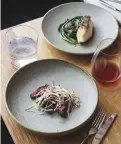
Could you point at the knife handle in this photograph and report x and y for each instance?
(104, 128)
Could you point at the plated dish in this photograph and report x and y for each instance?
(78, 28)
(70, 78)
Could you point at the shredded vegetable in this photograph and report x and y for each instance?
(51, 98)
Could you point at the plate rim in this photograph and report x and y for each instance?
(52, 133)
(57, 48)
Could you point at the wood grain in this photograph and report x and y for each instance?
(109, 96)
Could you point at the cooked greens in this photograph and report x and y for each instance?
(68, 29)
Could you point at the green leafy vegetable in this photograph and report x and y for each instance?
(69, 28)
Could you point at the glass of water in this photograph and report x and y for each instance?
(22, 42)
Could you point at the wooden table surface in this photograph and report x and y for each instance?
(109, 96)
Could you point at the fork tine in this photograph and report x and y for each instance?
(96, 118)
(101, 119)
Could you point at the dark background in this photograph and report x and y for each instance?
(15, 12)
(19, 11)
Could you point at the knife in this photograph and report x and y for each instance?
(104, 129)
(115, 1)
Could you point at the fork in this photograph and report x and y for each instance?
(98, 121)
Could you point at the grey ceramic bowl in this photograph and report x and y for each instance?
(30, 77)
(105, 26)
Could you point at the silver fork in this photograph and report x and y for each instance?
(98, 121)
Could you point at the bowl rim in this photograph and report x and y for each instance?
(52, 133)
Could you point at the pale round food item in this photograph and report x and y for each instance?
(84, 34)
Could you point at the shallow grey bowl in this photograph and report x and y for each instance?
(30, 77)
(105, 26)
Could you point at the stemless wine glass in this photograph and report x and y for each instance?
(106, 61)
(22, 45)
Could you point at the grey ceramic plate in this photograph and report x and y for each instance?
(105, 26)
(42, 72)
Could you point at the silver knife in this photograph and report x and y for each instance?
(115, 1)
(103, 130)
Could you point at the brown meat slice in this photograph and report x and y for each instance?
(33, 94)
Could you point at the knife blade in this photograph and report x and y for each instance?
(115, 1)
(104, 129)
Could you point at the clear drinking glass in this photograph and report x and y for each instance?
(22, 42)
(106, 61)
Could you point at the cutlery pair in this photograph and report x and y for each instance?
(103, 2)
(99, 129)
